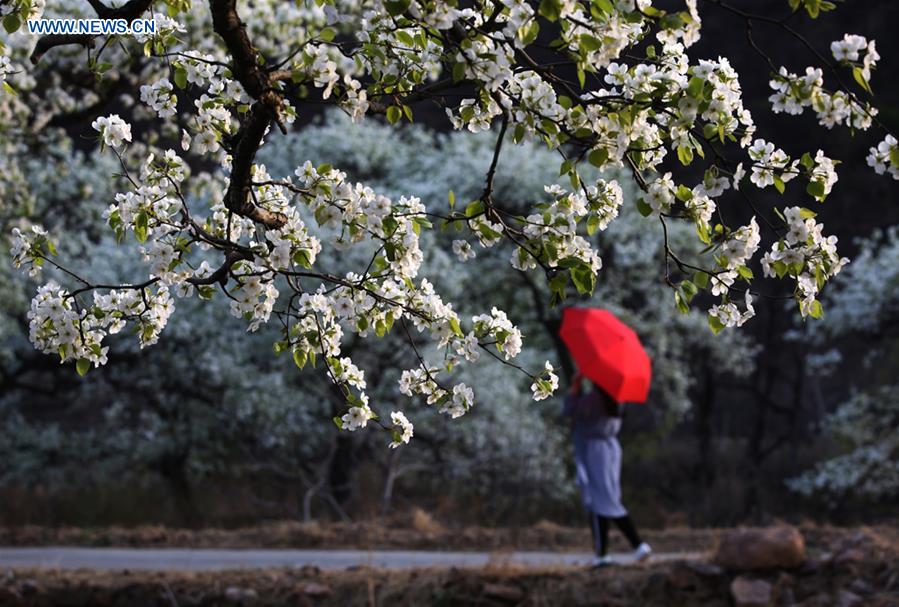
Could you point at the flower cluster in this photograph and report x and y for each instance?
(805, 254)
(113, 130)
(546, 383)
(160, 97)
(771, 166)
(403, 429)
(793, 93)
(848, 51)
(31, 248)
(884, 158)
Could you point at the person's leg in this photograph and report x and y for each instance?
(603, 524)
(630, 532)
(599, 526)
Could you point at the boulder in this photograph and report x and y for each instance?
(748, 592)
(758, 549)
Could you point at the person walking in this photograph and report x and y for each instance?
(595, 421)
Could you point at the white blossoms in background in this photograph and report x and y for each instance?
(112, 129)
(885, 157)
(5, 67)
(402, 431)
(463, 250)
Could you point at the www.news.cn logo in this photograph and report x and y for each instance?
(94, 27)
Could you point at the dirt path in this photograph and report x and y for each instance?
(186, 559)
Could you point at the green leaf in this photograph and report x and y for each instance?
(12, 23)
(744, 272)
(685, 154)
(701, 279)
(337, 422)
(590, 43)
(300, 357)
(715, 325)
(394, 114)
(302, 258)
(9, 89)
(454, 325)
(180, 77)
(598, 157)
(140, 226)
(550, 9)
(528, 34)
(779, 184)
(694, 88)
(683, 193)
(815, 189)
(396, 8)
(82, 366)
(860, 78)
(807, 213)
(680, 301)
(643, 207)
(328, 34)
(452, 199)
(592, 224)
(475, 208)
(458, 71)
(894, 155)
(816, 310)
(605, 6)
(807, 161)
(690, 290)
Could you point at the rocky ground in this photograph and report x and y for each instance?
(811, 567)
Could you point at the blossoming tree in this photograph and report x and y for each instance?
(865, 308)
(607, 83)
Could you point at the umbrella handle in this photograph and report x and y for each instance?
(577, 383)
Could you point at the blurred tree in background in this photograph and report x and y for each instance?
(197, 408)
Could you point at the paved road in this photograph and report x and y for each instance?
(180, 559)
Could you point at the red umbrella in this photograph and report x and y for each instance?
(608, 352)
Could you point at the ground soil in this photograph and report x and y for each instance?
(418, 531)
(845, 568)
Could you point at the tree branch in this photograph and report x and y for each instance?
(129, 11)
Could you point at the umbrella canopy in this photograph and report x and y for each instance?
(608, 352)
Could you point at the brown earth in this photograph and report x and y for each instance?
(418, 531)
(845, 568)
